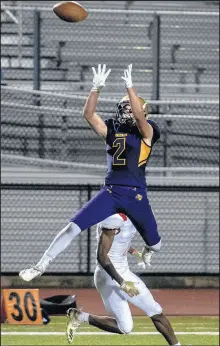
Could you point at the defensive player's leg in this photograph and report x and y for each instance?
(106, 323)
(146, 302)
(116, 305)
(97, 209)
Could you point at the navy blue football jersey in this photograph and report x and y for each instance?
(127, 154)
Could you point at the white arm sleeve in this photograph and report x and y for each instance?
(112, 222)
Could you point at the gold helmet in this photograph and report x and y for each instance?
(125, 116)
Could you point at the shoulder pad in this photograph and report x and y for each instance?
(109, 122)
(112, 222)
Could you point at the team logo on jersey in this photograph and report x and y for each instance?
(121, 134)
(139, 197)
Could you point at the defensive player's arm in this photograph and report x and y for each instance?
(94, 120)
(132, 250)
(138, 255)
(145, 129)
(104, 245)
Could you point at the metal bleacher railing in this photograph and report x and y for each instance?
(188, 50)
(56, 130)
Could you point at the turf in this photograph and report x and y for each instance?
(201, 325)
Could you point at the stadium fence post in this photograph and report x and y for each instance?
(156, 60)
(89, 189)
(37, 75)
(167, 131)
(36, 50)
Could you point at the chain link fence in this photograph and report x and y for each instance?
(189, 55)
(51, 126)
(32, 215)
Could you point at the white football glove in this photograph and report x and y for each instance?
(147, 255)
(99, 77)
(127, 77)
(129, 288)
(140, 261)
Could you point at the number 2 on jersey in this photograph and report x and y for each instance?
(119, 143)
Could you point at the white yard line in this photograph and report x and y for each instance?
(105, 333)
(141, 324)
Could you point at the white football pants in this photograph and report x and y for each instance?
(116, 301)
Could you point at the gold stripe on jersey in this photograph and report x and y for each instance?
(144, 153)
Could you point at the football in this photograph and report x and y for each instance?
(70, 11)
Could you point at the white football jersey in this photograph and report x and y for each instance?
(122, 239)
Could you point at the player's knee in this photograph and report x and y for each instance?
(156, 311)
(125, 327)
(156, 247)
(74, 228)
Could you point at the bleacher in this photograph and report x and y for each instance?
(131, 5)
(189, 49)
(190, 135)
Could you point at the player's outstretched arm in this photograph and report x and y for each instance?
(138, 255)
(104, 246)
(145, 129)
(89, 111)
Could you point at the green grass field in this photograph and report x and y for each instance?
(190, 331)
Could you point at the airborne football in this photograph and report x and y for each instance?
(70, 11)
(110, 173)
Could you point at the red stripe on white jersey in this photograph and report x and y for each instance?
(123, 216)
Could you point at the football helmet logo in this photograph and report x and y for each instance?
(124, 113)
